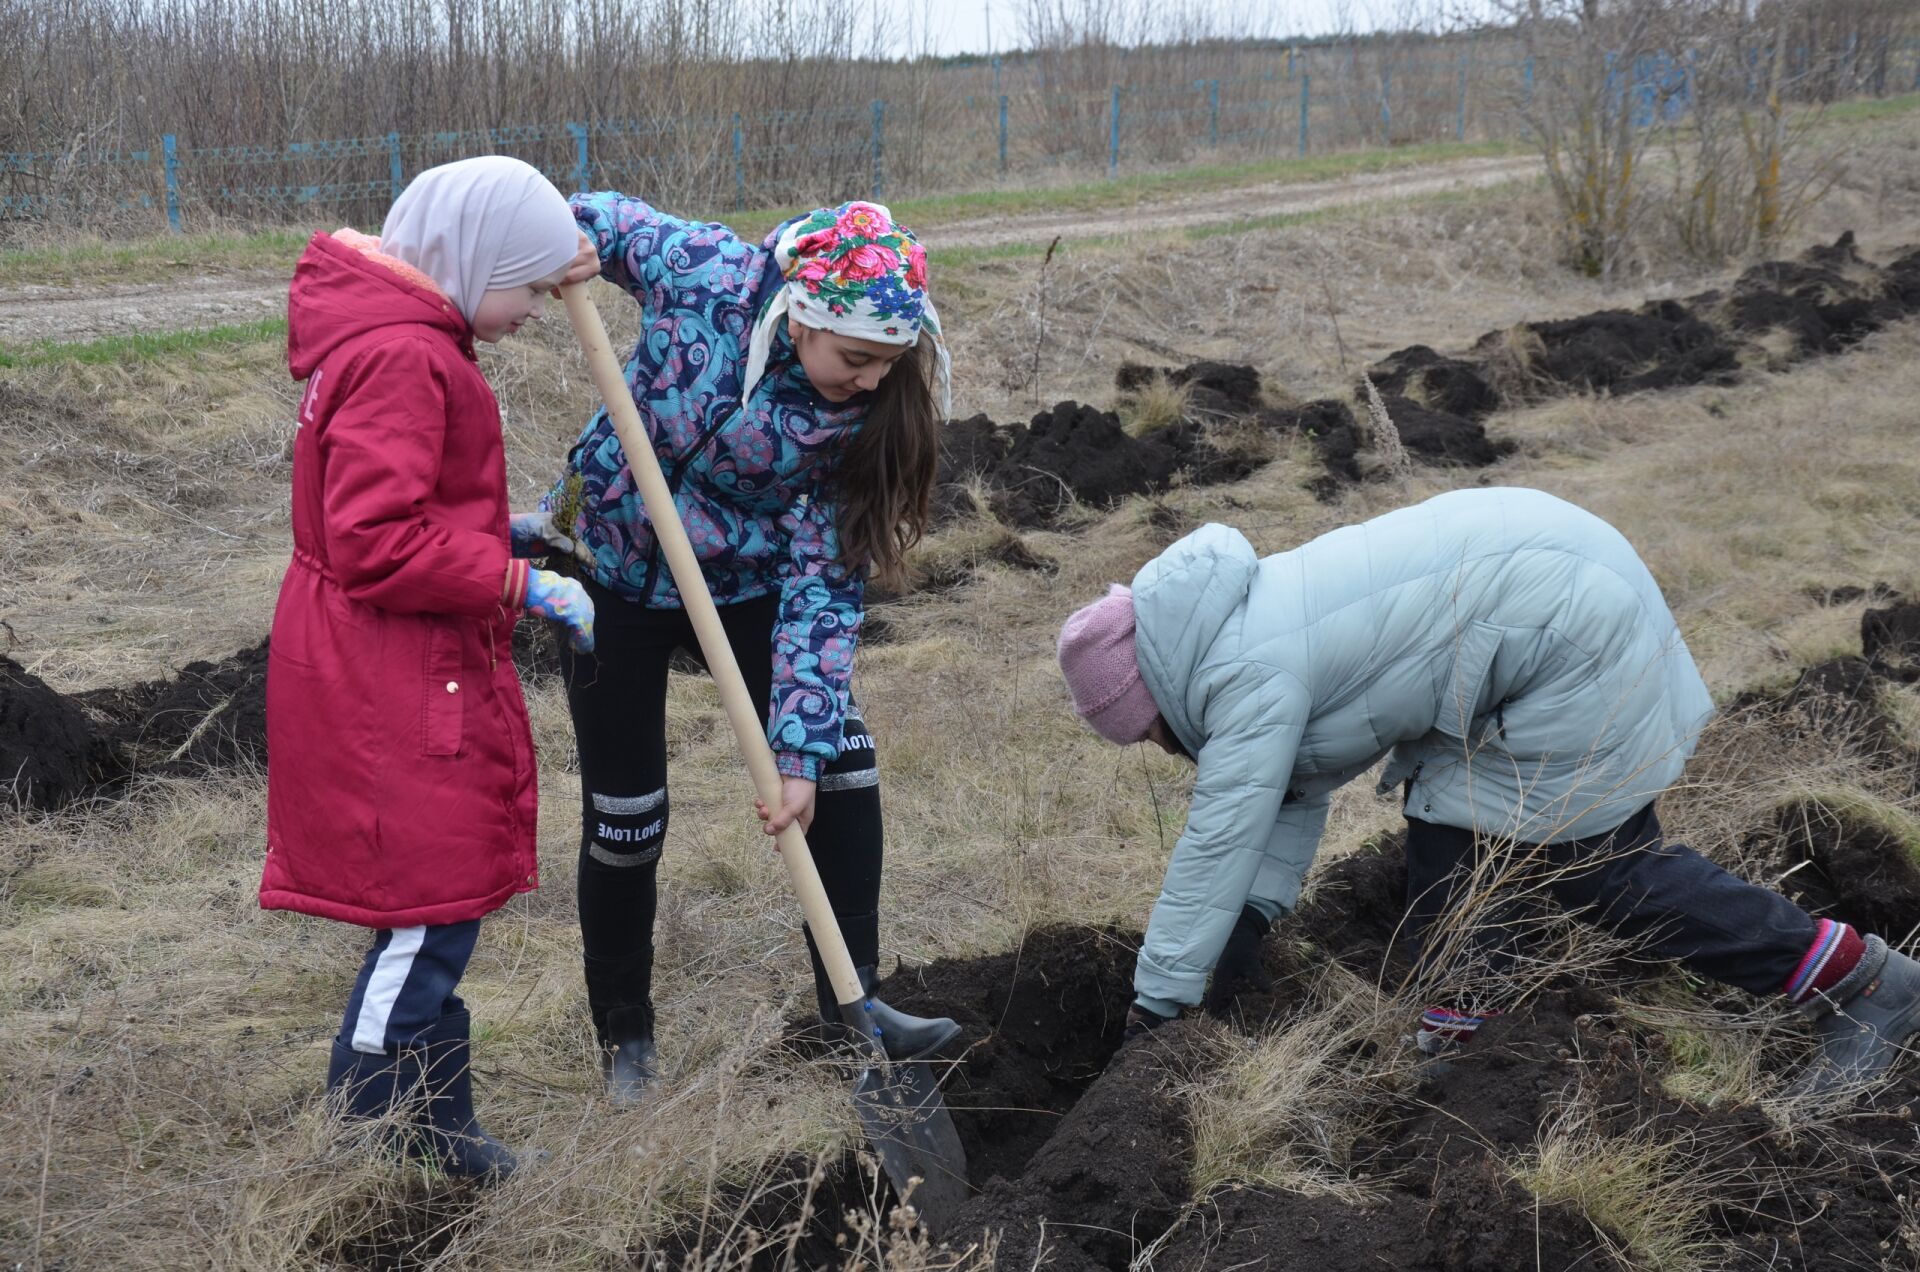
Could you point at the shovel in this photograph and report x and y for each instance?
(898, 1102)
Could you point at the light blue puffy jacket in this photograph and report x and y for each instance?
(1509, 649)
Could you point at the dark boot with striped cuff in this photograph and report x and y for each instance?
(1863, 1023)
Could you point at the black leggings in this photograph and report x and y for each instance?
(1671, 902)
(618, 698)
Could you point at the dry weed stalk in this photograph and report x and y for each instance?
(1383, 438)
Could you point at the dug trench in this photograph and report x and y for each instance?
(996, 480)
(1081, 1148)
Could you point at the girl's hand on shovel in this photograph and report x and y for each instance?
(585, 265)
(796, 805)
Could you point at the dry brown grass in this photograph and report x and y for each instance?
(164, 1040)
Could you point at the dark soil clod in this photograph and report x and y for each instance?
(1452, 385)
(1890, 639)
(50, 750)
(56, 749)
(1032, 473)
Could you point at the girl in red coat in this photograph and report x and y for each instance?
(400, 774)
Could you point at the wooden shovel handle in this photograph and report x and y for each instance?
(741, 713)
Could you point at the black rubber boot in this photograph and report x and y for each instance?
(450, 1132)
(901, 1036)
(1863, 1024)
(628, 1059)
(369, 1086)
(619, 996)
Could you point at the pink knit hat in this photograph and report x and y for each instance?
(1097, 658)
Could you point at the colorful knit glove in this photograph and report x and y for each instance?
(563, 600)
(534, 534)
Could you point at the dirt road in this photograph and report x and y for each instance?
(32, 313)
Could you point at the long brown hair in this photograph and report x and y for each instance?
(884, 481)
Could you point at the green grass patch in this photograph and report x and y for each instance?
(152, 260)
(1871, 108)
(144, 346)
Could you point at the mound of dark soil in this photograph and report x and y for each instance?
(1330, 425)
(50, 752)
(213, 715)
(56, 748)
(1827, 299)
(1890, 639)
(1662, 345)
(1217, 389)
(1864, 865)
(1451, 385)
(1031, 473)
(1442, 437)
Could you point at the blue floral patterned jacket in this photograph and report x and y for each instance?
(750, 484)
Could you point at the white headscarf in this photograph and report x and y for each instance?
(479, 225)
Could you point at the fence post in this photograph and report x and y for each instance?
(396, 171)
(1213, 114)
(1386, 103)
(1289, 61)
(1113, 137)
(171, 166)
(879, 147)
(1306, 86)
(1003, 134)
(739, 162)
(582, 160)
(1460, 117)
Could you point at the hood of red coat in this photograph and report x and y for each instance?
(340, 292)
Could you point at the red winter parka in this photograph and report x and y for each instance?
(400, 773)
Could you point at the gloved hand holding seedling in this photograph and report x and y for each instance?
(536, 534)
(563, 600)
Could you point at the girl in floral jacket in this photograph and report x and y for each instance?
(788, 392)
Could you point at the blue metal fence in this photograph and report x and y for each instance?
(780, 157)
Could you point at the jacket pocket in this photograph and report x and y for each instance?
(1465, 694)
(446, 689)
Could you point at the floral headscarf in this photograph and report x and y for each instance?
(854, 271)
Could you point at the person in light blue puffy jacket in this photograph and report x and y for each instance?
(1512, 659)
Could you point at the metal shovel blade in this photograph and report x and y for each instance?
(910, 1129)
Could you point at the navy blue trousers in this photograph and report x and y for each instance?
(406, 984)
(1666, 898)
